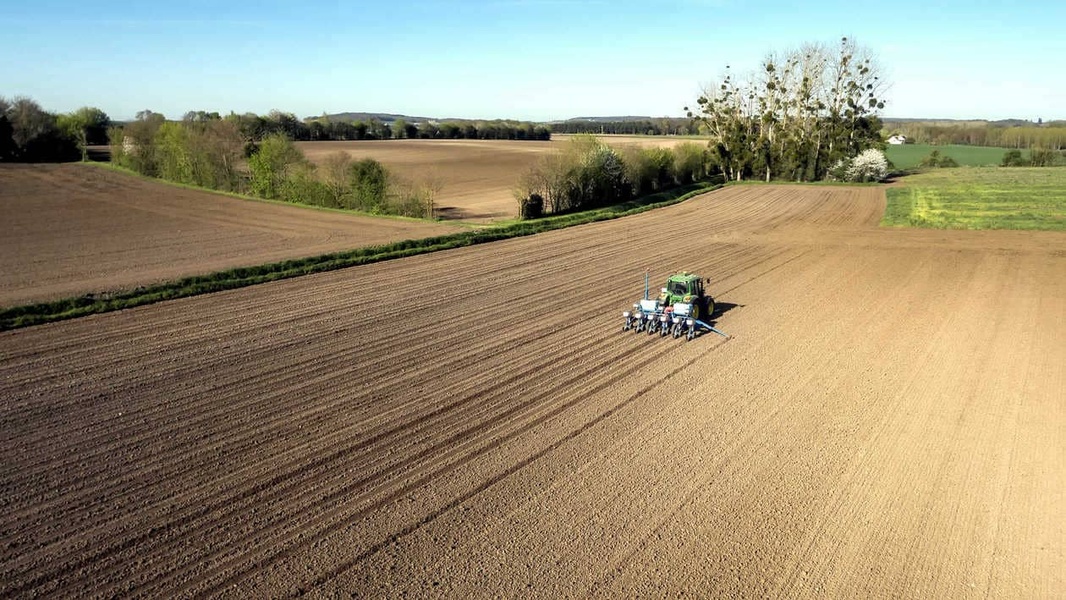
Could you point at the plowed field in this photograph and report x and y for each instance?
(888, 420)
(475, 178)
(72, 229)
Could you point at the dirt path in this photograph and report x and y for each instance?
(888, 420)
(72, 229)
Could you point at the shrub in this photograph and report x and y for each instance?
(302, 186)
(936, 161)
(600, 180)
(410, 199)
(690, 163)
(869, 165)
(271, 164)
(368, 186)
(531, 207)
(839, 171)
(1044, 157)
(1013, 158)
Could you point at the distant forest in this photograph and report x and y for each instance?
(374, 127)
(1004, 134)
(1010, 133)
(629, 126)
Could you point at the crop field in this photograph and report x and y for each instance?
(907, 156)
(887, 420)
(475, 178)
(980, 198)
(72, 229)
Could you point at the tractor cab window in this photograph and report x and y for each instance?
(678, 288)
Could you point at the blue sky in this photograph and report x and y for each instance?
(525, 59)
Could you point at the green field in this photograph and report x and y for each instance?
(907, 156)
(980, 198)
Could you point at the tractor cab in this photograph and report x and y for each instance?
(683, 287)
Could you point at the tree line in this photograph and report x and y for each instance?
(28, 133)
(1051, 136)
(257, 127)
(662, 126)
(216, 154)
(798, 115)
(588, 174)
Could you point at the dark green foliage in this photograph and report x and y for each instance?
(532, 207)
(369, 186)
(935, 160)
(588, 174)
(628, 126)
(7, 140)
(1013, 158)
(23, 316)
(29, 133)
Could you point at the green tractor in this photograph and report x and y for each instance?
(687, 288)
(683, 308)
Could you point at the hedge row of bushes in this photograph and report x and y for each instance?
(588, 174)
(213, 154)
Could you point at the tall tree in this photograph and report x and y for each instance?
(87, 126)
(801, 112)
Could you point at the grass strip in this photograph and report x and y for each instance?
(69, 308)
(1025, 198)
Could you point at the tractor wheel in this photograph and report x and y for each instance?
(710, 307)
(696, 313)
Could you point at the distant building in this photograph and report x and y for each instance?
(897, 139)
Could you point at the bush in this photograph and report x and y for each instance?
(936, 161)
(600, 180)
(301, 186)
(839, 171)
(1013, 158)
(271, 164)
(870, 165)
(532, 207)
(410, 199)
(1044, 157)
(368, 186)
(690, 163)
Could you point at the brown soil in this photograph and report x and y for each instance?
(887, 421)
(476, 178)
(72, 229)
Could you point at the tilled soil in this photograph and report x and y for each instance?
(888, 419)
(475, 180)
(72, 229)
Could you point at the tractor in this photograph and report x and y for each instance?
(683, 307)
(688, 289)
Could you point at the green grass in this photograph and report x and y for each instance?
(68, 308)
(980, 198)
(907, 156)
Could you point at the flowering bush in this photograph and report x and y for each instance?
(869, 165)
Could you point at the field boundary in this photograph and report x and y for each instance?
(240, 196)
(95, 303)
